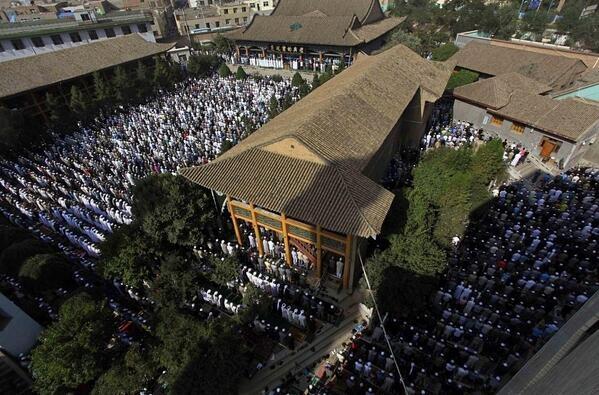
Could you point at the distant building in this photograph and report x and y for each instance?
(18, 331)
(32, 12)
(214, 18)
(259, 6)
(516, 108)
(19, 40)
(25, 81)
(311, 34)
(162, 13)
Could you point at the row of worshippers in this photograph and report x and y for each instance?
(514, 279)
(217, 299)
(78, 186)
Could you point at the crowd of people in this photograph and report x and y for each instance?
(77, 189)
(514, 279)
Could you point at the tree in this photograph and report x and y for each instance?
(324, 77)
(142, 83)
(287, 101)
(240, 74)
(315, 81)
(44, 272)
(73, 350)
(129, 255)
(10, 235)
(225, 269)
(534, 22)
(161, 73)
(123, 86)
(130, 374)
(409, 40)
(13, 257)
(297, 80)
(222, 44)
(202, 65)
(12, 131)
(226, 145)
(170, 209)
(444, 52)
(102, 90)
(461, 77)
(276, 78)
(224, 71)
(304, 89)
(177, 283)
(58, 113)
(79, 104)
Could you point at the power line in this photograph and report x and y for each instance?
(378, 313)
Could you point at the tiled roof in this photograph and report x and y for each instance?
(33, 72)
(331, 8)
(309, 162)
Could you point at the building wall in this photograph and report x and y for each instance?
(188, 20)
(531, 138)
(20, 332)
(9, 52)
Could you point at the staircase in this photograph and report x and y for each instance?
(304, 248)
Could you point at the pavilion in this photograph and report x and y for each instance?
(310, 34)
(310, 175)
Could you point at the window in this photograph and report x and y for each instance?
(237, 21)
(252, 5)
(85, 17)
(17, 43)
(197, 25)
(245, 18)
(110, 32)
(234, 10)
(56, 39)
(265, 4)
(126, 30)
(227, 21)
(518, 128)
(217, 23)
(202, 3)
(496, 121)
(75, 37)
(243, 9)
(1, 48)
(142, 28)
(92, 35)
(207, 25)
(226, 11)
(37, 42)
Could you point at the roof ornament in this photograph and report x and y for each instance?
(295, 26)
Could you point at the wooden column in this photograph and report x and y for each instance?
(237, 53)
(286, 239)
(347, 261)
(257, 231)
(318, 252)
(234, 219)
(320, 56)
(263, 53)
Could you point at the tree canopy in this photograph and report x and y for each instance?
(240, 74)
(202, 65)
(73, 350)
(224, 70)
(462, 77)
(45, 272)
(129, 374)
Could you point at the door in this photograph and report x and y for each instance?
(547, 148)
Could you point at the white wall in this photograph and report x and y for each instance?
(21, 332)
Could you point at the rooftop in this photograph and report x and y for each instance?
(295, 163)
(554, 70)
(53, 26)
(34, 72)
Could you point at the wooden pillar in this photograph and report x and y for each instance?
(237, 52)
(257, 231)
(41, 110)
(347, 261)
(247, 52)
(263, 53)
(286, 239)
(320, 56)
(234, 219)
(318, 252)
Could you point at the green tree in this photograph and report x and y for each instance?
(129, 374)
(297, 80)
(79, 104)
(444, 52)
(315, 81)
(276, 78)
(13, 257)
(58, 113)
(224, 71)
(240, 74)
(324, 77)
(461, 77)
(12, 131)
(202, 65)
(227, 145)
(161, 73)
(304, 89)
(174, 210)
(225, 269)
(409, 40)
(534, 22)
(129, 255)
(222, 44)
(177, 283)
(124, 86)
(142, 82)
(102, 90)
(287, 101)
(73, 350)
(44, 272)
(10, 235)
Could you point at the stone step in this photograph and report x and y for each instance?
(307, 355)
